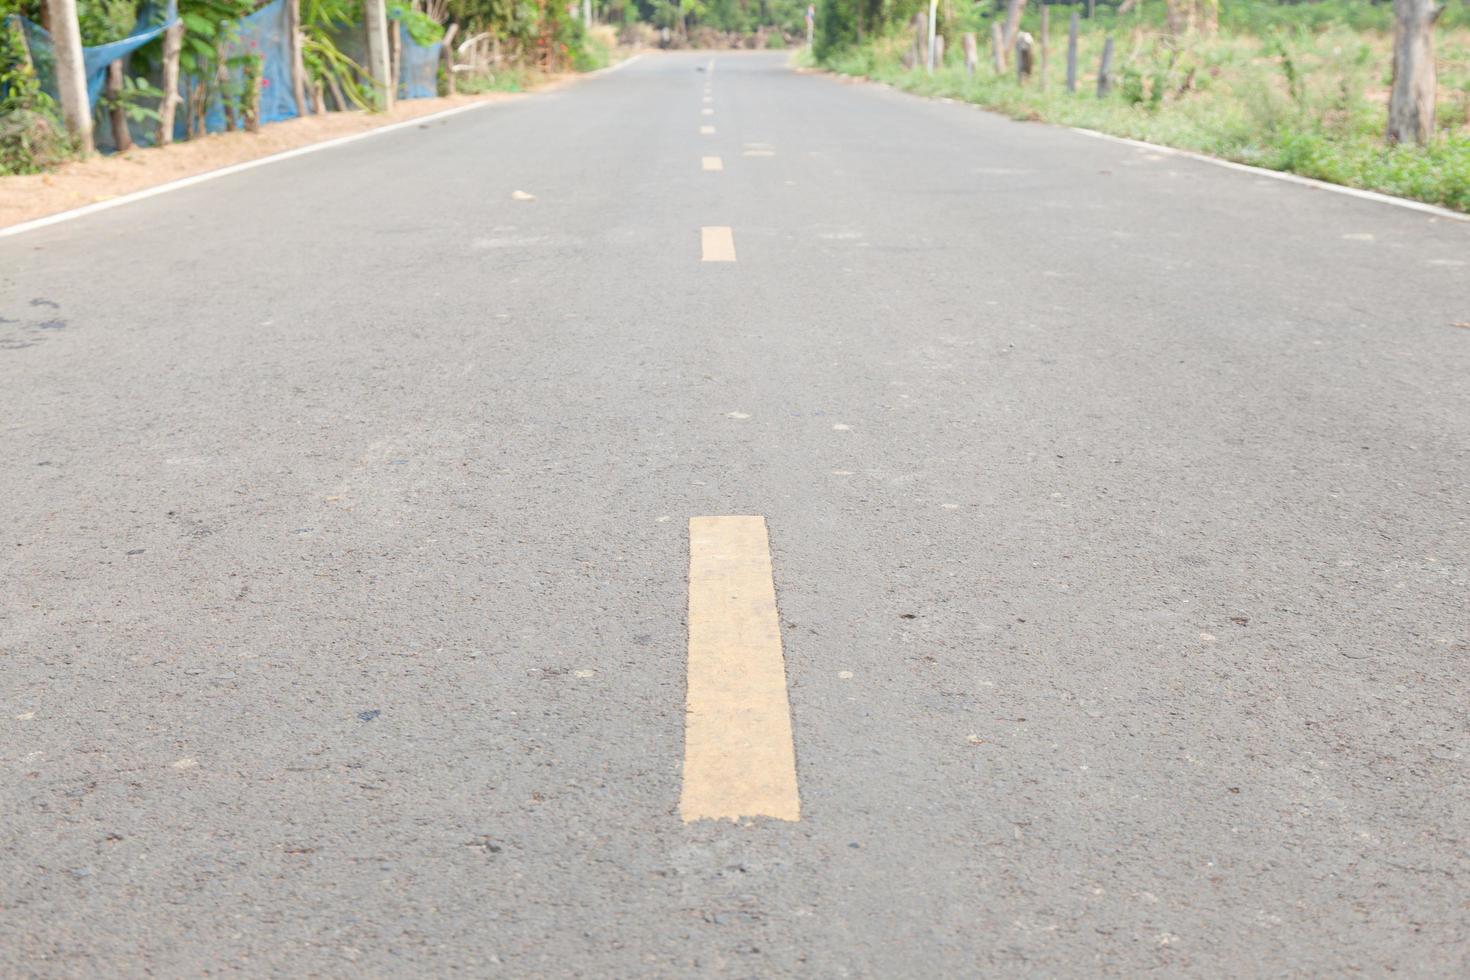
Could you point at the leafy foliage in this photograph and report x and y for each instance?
(31, 136)
(138, 99)
(102, 21)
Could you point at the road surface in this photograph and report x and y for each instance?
(1115, 505)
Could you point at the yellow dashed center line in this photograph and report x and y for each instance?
(739, 757)
(706, 112)
(716, 244)
(707, 130)
(711, 163)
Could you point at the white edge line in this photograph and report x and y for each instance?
(612, 68)
(1291, 178)
(234, 168)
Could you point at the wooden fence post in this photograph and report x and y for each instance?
(939, 51)
(1105, 70)
(1045, 43)
(71, 73)
(997, 49)
(972, 54)
(1072, 29)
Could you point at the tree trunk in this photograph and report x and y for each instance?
(997, 48)
(1177, 14)
(385, 86)
(972, 53)
(930, 59)
(1411, 102)
(121, 138)
(338, 96)
(1013, 22)
(173, 43)
(298, 67)
(222, 85)
(448, 50)
(1207, 16)
(71, 73)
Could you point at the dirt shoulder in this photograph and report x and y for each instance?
(83, 182)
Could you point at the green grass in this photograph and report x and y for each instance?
(508, 79)
(1311, 102)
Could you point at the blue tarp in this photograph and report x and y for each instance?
(151, 23)
(418, 67)
(265, 32)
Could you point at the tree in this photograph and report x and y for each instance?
(1411, 101)
(1014, 8)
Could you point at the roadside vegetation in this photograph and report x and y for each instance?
(496, 45)
(709, 23)
(1301, 87)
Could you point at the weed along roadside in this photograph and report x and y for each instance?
(1304, 89)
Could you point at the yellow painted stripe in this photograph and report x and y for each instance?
(708, 98)
(706, 112)
(739, 757)
(711, 163)
(707, 130)
(716, 244)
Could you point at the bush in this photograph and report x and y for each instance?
(31, 135)
(30, 142)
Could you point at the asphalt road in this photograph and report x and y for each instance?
(1118, 511)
